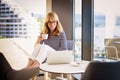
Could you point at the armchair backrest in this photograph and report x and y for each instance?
(102, 71)
(70, 44)
(4, 67)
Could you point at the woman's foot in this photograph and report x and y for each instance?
(35, 64)
(30, 62)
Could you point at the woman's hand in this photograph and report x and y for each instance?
(40, 38)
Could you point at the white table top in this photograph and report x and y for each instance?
(65, 68)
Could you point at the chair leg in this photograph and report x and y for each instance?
(46, 76)
(69, 77)
(34, 78)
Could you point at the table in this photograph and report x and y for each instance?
(65, 68)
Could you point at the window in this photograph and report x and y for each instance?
(77, 30)
(106, 24)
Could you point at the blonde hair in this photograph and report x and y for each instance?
(55, 17)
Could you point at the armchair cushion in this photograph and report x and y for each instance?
(70, 44)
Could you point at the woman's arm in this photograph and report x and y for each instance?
(63, 41)
(40, 38)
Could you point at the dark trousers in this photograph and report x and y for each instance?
(7, 73)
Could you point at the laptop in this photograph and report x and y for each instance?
(59, 57)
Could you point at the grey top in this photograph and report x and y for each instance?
(57, 42)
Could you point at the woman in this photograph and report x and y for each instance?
(7, 73)
(54, 29)
(56, 38)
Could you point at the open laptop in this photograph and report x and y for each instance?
(59, 57)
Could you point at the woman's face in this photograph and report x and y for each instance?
(52, 24)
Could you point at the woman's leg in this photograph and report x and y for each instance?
(30, 62)
(43, 53)
(34, 55)
(4, 67)
(35, 51)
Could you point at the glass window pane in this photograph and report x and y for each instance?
(106, 24)
(77, 30)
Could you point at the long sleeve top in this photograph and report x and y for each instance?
(57, 42)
